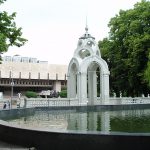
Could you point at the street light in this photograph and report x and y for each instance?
(12, 91)
(12, 84)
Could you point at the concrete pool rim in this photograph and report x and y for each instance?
(44, 140)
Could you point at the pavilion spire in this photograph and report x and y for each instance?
(86, 35)
(86, 26)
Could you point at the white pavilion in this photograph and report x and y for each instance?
(82, 73)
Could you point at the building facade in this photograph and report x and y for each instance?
(26, 74)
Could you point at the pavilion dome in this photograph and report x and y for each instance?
(86, 46)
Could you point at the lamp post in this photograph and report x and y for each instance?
(12, 84)
(12, 92)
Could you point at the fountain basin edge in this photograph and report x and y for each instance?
(74, 140)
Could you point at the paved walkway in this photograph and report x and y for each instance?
(6, 146)
(1, 106)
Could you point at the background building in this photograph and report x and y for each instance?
(24, 74)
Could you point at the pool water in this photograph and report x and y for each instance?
(107, 121)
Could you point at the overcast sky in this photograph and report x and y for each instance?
(53, 27)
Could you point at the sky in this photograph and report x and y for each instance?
(53, 27)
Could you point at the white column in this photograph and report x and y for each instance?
(68, 87)
(92, 87)
(78, 86)
(83, 89)
(105, 88)
(72, 86)
(101, 87)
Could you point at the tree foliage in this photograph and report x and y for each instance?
(10, 35)
(2, 1)
(127, 50)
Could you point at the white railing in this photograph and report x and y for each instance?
(130, 100)
(46, 102)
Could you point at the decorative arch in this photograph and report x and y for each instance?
(73, 69)
(86, 62)
(89, 68)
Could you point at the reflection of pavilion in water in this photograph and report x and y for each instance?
(104, 121)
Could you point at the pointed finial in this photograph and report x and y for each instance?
(86, 27)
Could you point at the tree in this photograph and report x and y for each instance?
(147, 71)
(2, 1)
(127, 50)
(10, 35)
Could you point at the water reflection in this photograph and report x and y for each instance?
(106, 121)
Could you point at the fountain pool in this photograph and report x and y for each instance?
(130, 121)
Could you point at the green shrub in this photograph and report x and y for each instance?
(63, 93)
(31, 94)
(64, 88)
